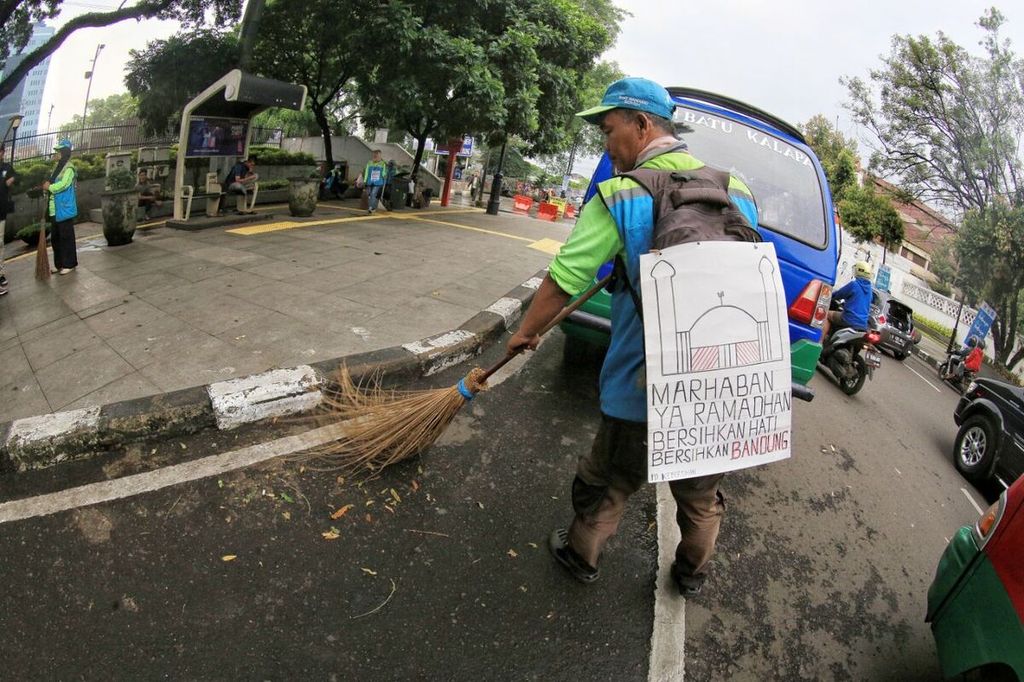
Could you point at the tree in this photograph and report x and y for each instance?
(947, 124)
(837, 153)
(107, 111)
(321, 44)
(990, 253)
(436, 78)
(870, 216)
(155, 76)
(18, 16)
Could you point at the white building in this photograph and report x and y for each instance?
(27, 97)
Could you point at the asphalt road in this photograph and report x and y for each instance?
(439, 569)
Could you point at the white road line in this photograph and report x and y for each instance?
(127, 486)
(924, 380)
(971, 499)
(669, 636)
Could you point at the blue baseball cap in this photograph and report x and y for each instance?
(64, 143)
(632, 93)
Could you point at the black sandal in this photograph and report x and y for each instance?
(558, 543)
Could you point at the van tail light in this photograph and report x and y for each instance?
(881, 320)
(811, 306)
(872, 337)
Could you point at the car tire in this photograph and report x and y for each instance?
(900, 357)
(975, 448)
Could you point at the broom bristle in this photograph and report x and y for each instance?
(42, 259)
(381, 426)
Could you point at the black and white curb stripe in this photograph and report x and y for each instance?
(50, 439)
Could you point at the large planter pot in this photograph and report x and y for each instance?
(302, 196)
(119, 218)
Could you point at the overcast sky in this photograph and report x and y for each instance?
(784, 56)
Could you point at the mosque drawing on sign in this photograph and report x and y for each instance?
(723, 335)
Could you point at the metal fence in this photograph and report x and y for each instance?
(127, 136)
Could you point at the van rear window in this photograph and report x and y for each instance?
(782, 178)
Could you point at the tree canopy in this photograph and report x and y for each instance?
(837, 153)
(948, 125)
(106, 111)
(155, 76)
(17, 18)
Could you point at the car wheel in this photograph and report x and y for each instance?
(975, 447)
(900, 357)
(852, 385)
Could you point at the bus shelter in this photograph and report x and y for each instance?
(216, 125)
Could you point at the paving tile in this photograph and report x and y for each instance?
(14, 365)
(215, 314)
(213, 361)
(64, 381)
(126, 388)
(200, 270)
(22, 398)
(84, 292)
(279, 270)
(52, 342)
(153, 281)
(156, 339)
(29, 317)
(123, 318)
(225, 256)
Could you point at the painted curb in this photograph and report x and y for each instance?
(50, 439)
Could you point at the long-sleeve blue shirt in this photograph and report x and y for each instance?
(856, 298)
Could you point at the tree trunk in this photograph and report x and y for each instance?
(1015, 360)
(421, 142)
(250, 28)
(325, 129)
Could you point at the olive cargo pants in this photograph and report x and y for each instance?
(614, 469)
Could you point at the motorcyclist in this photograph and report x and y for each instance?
(856, 299)
(967, 359)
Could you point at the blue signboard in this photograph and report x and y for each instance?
(883, 277)
(982, 322)
(467, 148)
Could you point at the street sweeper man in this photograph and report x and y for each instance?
(635, 116)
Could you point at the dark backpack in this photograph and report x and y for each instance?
(689, 206)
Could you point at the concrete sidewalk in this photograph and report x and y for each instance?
(178, 309)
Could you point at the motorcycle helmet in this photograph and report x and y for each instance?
(972, 342)
(862, 269)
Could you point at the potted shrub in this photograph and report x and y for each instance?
(119, 203)
(303, 193)
(30, 234)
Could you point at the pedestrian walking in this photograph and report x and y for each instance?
(375, 176)
(635, 116)
(63, 207)
(7, 178)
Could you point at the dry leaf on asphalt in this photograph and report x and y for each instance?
(532, 544)
(394, 494)
(341, 512)
(415, 485)
(228, 557)
(512, 553)
(287, 516)
(368, 571)
(331, 534)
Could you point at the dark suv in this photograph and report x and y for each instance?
(894, 320)
(991, 437)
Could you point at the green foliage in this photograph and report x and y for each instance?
(943, 266)
(515, 165)
(941, 287)
(292, 123)
(837, 153)
(869, 216)
(107, 111)
(276, 183)
(321, 44)
(990, 253)
(156, 78)
(18, 16)
(120, 179)
(936, 330)
(273, 156)
(33, 173)
(948, 124)
(30, 233)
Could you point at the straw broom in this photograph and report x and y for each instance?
(42, 259)
(383, 427)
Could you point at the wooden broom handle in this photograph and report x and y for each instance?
(565, 312)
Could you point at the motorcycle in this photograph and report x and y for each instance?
(949, 372)
(851, 357)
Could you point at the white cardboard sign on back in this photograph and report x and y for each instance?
(719, 384)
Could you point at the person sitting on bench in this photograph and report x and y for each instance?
(149, 194)
(239, 181)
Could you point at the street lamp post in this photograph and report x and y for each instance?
(15, 122)
(495, 200)
(88, 90)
